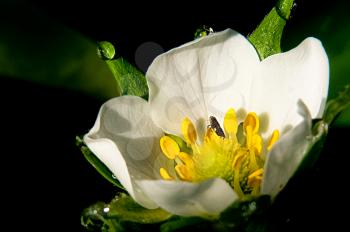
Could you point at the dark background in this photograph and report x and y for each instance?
(50, 92)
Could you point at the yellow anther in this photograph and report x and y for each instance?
(165, 174)
(186, 159)
(189, 131)
(253, 121)
(183, 172)
(274, 137)
(255, 178)
(230, 122)
(169, 147)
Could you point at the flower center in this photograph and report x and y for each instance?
(235, 154)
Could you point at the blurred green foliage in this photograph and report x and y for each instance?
(35, 48)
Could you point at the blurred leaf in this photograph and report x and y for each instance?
(129, 79)
(96, 163)
(266, 38)
(35, 48)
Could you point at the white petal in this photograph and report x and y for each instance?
(125, 139)
(286, 155)
(282, 79)
(190, 199)
(227, 73)
(209, 74)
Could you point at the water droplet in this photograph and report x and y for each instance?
(106, 209)
(252, 206)
(114, 177)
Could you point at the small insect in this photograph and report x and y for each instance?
(214, 124)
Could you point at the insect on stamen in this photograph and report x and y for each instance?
(214, 124)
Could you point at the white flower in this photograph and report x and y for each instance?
(209, 77)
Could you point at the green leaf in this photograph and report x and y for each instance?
(266, 38)
(96, 163)
(131, 81)
(336, 106)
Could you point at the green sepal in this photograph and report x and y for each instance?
(122, 214)
(266, 38)
(130, 80)
(124, 208)
(96, 163)
(336, 106)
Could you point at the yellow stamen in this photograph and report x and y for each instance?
(165, 174)
(183, 172)
(253, 164)
(169, 147)
(249, 136)
(230, 122)
(236, 182)
(257, 143)
(238, 157)
(274, 137)
(189, 131)
(255, 178)
(253, 121)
